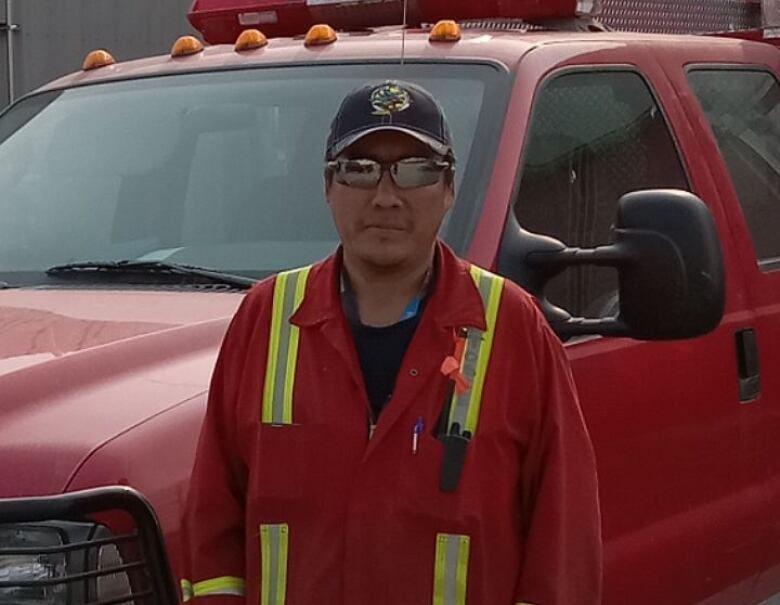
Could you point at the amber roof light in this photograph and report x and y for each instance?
(186, 45)
(319, 35)
(250, 39)
(445, 31)
(97, 58)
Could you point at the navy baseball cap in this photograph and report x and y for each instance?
(389, 105)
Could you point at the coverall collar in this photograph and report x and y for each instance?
(453, 302)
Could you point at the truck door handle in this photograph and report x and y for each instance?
(747, 364)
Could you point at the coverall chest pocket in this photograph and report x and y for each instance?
(283, 468)
(297, 466)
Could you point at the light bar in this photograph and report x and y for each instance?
(221, 21)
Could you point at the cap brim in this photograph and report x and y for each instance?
(435, 145)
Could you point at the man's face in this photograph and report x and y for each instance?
(388, 226)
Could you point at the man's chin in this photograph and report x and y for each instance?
(384, 257)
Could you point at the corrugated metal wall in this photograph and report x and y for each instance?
(681, 16)
(4, 94)
(55, 35)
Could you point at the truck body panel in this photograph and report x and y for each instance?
(700, 488)
(85, 367)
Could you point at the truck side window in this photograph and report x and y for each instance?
(594, 136)
(743, 109)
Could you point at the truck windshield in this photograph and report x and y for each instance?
(222, 170)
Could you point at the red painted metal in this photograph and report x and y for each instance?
(670, 409)
(86, 366)
(761, 291)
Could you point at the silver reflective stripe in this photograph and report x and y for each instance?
(460, 409)
(273, 554)
(451, 569)
(283, 337)
(283, 352)
(465, 406)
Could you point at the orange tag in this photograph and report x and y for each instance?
(451, 366)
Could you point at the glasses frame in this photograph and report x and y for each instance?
(435, 165)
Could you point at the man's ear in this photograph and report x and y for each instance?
(328, 178)
(449, 194)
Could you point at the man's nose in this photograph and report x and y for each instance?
(387, 193)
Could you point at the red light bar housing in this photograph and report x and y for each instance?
(221, 21)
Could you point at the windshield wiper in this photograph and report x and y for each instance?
(149, 267)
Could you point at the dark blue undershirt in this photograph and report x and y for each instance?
(380, 350)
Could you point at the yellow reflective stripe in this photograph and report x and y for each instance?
(186, 590)
(438, 573)
(225, 585)
(451, 569)
(273, 347)
(495, 286)
(465, 407)
(292, 350)
(289, 290)
(274, 544)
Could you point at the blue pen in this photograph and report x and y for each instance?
(419, 426)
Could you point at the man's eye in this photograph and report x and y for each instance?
(358, 168)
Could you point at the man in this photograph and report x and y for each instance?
(392, 426)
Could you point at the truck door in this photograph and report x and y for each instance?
(676, 451)
(740, 118)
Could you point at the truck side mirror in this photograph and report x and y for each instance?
(669, 263)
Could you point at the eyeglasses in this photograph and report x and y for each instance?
(407, 173)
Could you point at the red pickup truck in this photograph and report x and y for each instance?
(139, 200)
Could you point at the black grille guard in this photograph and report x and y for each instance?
(140, 542)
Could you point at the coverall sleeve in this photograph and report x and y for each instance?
(563, 555)
(213, 523)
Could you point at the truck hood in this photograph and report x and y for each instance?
(80, 367)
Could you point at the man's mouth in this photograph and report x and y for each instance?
(386, 227)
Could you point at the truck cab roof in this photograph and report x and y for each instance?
(504, 47)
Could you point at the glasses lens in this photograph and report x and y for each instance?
(417, 172)
(407, 173)
(364, 174)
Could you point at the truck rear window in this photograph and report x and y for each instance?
(743, 109)
(220, 169)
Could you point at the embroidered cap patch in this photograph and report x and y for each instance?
(389, 99)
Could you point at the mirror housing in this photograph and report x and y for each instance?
(669, 263)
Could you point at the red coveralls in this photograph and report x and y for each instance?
(362, 517)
